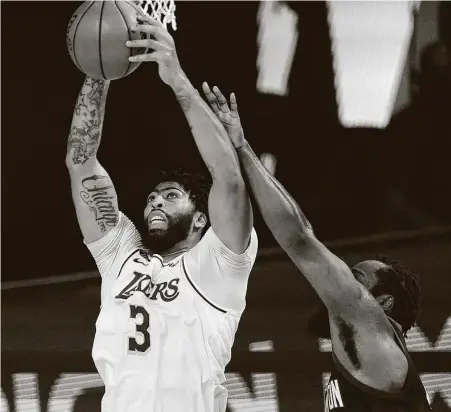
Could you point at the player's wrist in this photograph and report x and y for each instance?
(102, 81)
(181, 84)
(241, 145)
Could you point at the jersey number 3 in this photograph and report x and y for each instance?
(141, 342)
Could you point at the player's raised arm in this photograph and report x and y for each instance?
(229, 205)
(93, 192)
(331, 278)
(329, 275)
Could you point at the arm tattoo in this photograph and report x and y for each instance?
(98, 194)
(346, 334)
(184, 98)
(185, 102)
(84, 137)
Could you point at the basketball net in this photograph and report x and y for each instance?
(161, 10)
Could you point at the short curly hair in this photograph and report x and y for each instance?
(197, 186)
(404, 286)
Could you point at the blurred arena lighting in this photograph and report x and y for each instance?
(260, 395)
(370, 45)
(276, 44)
(269, 161)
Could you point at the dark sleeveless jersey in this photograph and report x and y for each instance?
(345, 394)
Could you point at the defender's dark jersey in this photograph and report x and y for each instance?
(345, 394)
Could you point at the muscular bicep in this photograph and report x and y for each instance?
(95, 200)
(230, 212)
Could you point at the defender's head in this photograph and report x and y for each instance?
(177, 209)
(394, 287)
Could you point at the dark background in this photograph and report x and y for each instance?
(350, 182)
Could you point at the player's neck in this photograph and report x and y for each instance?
(178, 249)
(168, 256)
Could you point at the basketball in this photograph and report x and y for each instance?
(96, 36)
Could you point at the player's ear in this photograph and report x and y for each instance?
(386, 301)
(200, 220)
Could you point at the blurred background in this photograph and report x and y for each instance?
(382, 186)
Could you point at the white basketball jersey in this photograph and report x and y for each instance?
(161, 343)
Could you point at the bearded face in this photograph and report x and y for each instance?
(164, 235)
(169, 215)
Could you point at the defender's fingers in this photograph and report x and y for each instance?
(211, 98)
(233, 103)
(221, 99)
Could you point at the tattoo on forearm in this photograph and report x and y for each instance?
(185, 102)
(98, 196)
(84, 137)
(185, 97)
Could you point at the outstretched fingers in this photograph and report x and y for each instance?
(221, 100)
(211, 98)
(233, 104)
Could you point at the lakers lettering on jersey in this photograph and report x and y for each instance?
(165, 331)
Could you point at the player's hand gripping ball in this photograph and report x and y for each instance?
(163, 47)
(96, 36)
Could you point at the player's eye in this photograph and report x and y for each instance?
(150, 199)
(171, 195)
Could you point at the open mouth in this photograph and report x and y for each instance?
(156, 218)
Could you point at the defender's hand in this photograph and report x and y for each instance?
(164, 50)
(229, 117)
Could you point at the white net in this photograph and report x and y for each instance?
(161, 10)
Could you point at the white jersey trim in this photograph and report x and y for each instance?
(125, 261)
(191, 282)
